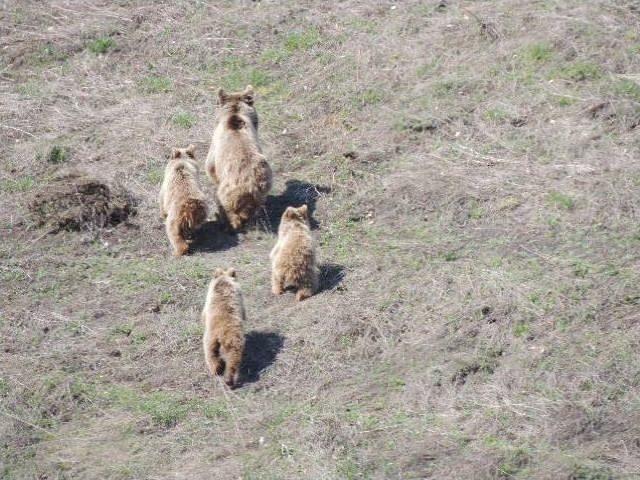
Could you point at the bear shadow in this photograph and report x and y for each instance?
(213, 236)
(296, 194)
(331, 275)
(260, 351)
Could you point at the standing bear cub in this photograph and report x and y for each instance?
(223, 316)
(293, 258)
(235, 162)
(182, 203)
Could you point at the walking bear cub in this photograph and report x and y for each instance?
(182, 203)
(235, 162)
(223, 316)
(293, 258)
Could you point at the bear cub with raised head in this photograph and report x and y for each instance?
(293, 258)
(223, 316)
(235, 162)
(182, 203)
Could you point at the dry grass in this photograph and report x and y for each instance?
(474, 179)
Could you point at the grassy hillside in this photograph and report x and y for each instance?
(473, 168)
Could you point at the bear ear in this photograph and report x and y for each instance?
(222, 96)
(176, 153)
(248, 96)
(289, 213)
(218, 272)
(304, 211)
(231, 272)
(191, 150)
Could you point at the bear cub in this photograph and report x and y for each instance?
(293, 258)
(223, 316)
(182, 203)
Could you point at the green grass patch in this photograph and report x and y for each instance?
(274, 55)
(428, 69)
(580, 71)
(130, 276)
(166, 298)
(561, 200)
(57, 155)
(538, 52)
(17, 185)
(165, 409)
(341, 240)
(302, 40)
(184, 120)
(31, 89)
(451, 256)
(124, 330)
(588, 472)
(361, 24)
(46, 55)
(496, 115)
(193, 331)
(155, 84)
(521, 329)
(627, 88)
(155, 175)
(580, 269)
(513, 462)
(239, 79)
(566, 101)
(13, 274)
(369, 96)
(4, 387)
(448, 87)
(476, 211)
(100, 46)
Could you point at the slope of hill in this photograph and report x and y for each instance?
(473, 172)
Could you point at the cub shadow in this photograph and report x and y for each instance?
(260, 351)
(331, 275)
(296, 194)
(213, 236)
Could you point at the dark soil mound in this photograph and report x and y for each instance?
(77, 202)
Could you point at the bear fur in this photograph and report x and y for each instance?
(223, 317)
(182, 203)
(235, 162)
(293, 258)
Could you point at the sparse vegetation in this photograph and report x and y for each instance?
(57, 154)
(184, 120)
(561, 200)
(627, 88)
(155, 84)
(101, 45)
(302, 40)
(155, 175)
(538, 52)
(17, 185)
(370, 96)
(472, 176)
(239, 75)
(581, 71)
